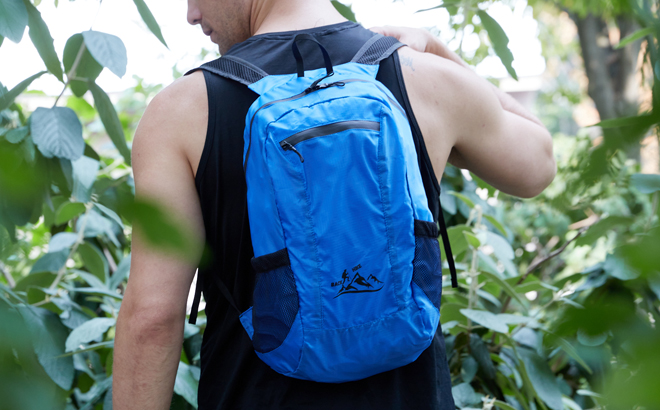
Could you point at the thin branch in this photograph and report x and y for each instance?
(10, 280)
(71, 72)
(535, 265)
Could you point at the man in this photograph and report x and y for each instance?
(187, 154)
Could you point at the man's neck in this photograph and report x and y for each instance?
(270, 16)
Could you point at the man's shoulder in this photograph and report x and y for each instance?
(176, 118)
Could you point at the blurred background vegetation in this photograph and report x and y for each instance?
(558, 297)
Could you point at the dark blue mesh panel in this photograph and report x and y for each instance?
(275, 306)
(427, 268)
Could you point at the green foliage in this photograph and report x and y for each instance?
(558, 295)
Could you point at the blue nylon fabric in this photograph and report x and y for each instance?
(346, 216)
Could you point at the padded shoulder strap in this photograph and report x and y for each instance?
(233, 68)
(376, 49)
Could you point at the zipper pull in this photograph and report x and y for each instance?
(288, 147)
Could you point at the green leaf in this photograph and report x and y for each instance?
(94, 260)
(90, 279)
(49, 335)
(17, 135)
(96, 346)
(110, 214)
(185, 384)
(110, 120)
(481, 354)
(50, 262)
(469, 369)
(646, 183)
(486, 319)
(62, 241)
(149, 20)
(67, 211)
(501, 247)
(1, 40)
(634, 36)
(615, 265)
(13, 19)
(8, 98)
(108, 50)
(97, 292)
(591, 340)
(472, 239)
(602, 228)
(464, 395)
(644, 121)
(87, 67)
(96, 225)
(84, 175)
(542, 378)
(57, 132)
(120, 273)
(508, 289)
(463, 198)
(42, 40)
(34, 280)
(570, 350)
(344, 10)
(457, 240)
(499, 40)
(89, 331)
(503, 406)
(497, 224)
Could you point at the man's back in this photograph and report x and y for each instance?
(461, 117)
(227, 356)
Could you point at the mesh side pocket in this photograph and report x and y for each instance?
(427, 268)
(275, 301)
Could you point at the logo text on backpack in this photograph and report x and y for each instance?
(358, 284)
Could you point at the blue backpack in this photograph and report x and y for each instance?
(347, 258)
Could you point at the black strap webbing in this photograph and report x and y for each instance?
(447, 245)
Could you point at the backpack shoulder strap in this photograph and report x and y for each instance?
(376, 49)
(234, 68)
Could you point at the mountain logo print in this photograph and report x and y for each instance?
(357, 284)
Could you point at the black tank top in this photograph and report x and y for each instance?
(232, 376)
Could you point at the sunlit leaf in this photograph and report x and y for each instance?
(344, 10)
(13, 19)
(89, 331)
(62, 241)
(634, 36)
(57, 132)
(110, 120)
(67, 211)
(84, 175)
(42, 40)
(8, 98)
(149, 20)
(542, 378)
(463, 198)
(50, 262)
(49, 336)
(108, 50)
(185, 384)
(499, 40)
(486, 319)
(646, 183)
(88, 68)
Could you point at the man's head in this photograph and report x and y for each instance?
(227, 22)
(231, 21)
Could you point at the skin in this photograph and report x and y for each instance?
(464, 119)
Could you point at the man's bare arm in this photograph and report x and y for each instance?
(150, 324)
(469, 122)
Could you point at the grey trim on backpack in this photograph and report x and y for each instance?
(366, 54)
(365, 47)
(233, 68)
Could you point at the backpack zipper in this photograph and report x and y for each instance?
(312, 88)
(288, 144)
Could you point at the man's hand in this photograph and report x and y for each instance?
(150, 323)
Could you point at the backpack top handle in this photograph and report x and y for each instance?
(299, 60)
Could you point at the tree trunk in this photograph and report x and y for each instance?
(613, 83)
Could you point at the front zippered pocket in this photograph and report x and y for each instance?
(288, 144)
